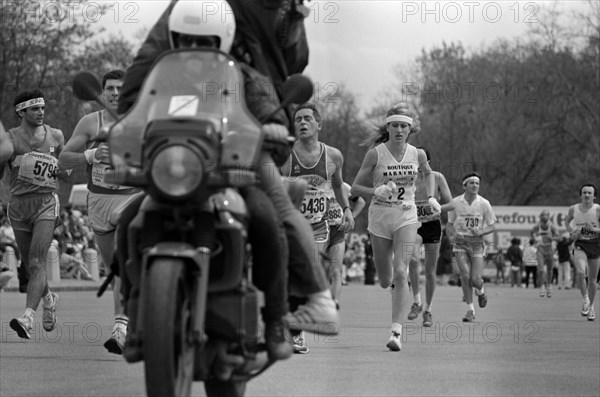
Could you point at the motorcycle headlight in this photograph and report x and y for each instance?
(177, 171)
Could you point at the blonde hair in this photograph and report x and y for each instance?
(381, 134)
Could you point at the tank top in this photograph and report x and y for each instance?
(424, 211)
(545, 238)
(580, 218)
(33, 168)
(318, 176)
(97, 170)
(403, 173)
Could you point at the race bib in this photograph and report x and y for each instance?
(425, 213)
(314, 205)
(467, 224)
(334, 213)
(99, 174)
(585, 233)
(38, 169)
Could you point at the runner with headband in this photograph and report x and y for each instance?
(33, 208)
(469, 220)
(387, 176)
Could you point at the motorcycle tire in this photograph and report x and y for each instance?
(167, 316)
(230, 388)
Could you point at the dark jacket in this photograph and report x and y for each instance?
(562, 247)
(515, 255)
(275, 47)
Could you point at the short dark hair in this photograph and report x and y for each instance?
(426, 152)
(116, 74)
(515, 241)
(588, 185)
(27, 95)
(311, 106)
(470, 175)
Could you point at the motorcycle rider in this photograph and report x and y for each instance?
(270, 40)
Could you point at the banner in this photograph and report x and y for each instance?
(512, 221)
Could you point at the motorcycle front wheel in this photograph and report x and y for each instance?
(230, 388)
(168, 348)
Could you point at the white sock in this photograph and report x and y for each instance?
(586, 299)
(29, 313)
(427, 307)
(121, 320)
(397, 328)
(479, 291)
(47, 299)
(471, 306)
(418, 299)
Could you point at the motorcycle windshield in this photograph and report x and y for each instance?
(191, 84)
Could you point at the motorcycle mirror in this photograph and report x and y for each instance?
(297, 89)
(87, 87)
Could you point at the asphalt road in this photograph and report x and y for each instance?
(521, 345)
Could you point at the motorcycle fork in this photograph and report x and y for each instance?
(199, 261)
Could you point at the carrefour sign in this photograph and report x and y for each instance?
(524, 218)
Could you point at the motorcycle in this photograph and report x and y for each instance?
(191, 144)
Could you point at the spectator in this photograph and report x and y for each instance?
(563, 247)
(515, 255)
(71, 262)
(530, 261)
(499, 262)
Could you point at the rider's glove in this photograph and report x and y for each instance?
(276, 142)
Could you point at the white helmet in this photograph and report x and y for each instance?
(203, 18)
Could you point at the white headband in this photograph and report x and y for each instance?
(399, 117)
(30, 103)
(471, 178)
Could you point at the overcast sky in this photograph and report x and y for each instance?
(359, 42)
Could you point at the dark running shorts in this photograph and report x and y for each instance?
(335, 235)
(591, 248)
(431, 232)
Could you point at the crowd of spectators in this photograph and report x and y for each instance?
(73, 245)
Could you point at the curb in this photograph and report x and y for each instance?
(67, 285)
(59, 288)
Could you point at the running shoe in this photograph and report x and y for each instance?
(427, 319)
(549, 293)
(394, 342)
(469, 317)
(415, 309)
(49, 314)
(542, 292)
(299, 344)
(319, 315)
(116, 343)
(482, 299)
(591, 315)
(278, 346)
(22, 326)
(585, 309)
